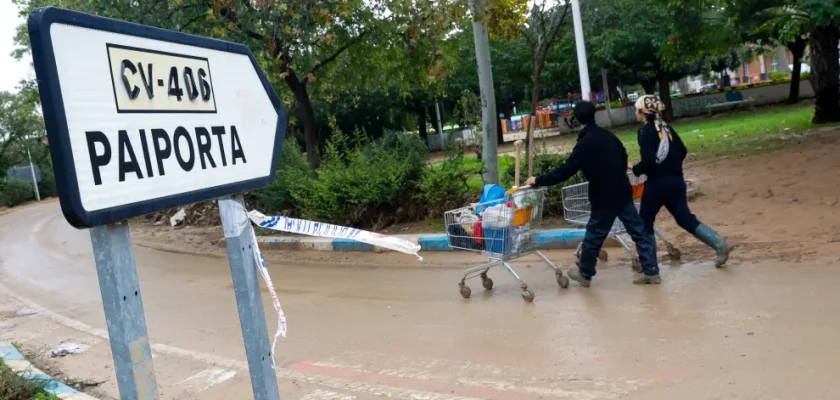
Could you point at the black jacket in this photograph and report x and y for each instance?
(648, 146)
(602, 158)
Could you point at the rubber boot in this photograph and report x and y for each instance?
(642, 279)
(712, 239)
(575, 275)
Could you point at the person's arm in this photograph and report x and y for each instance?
(565, 171)
(648, 144)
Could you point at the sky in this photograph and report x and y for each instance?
(11, 70)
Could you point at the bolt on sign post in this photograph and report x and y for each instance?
(141, 119)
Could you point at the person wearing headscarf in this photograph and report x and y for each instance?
(663, 153)
(603, 159)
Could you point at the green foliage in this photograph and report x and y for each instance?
(543, 164)
(292, 166)
(805, 76)
(445, 186)
(364, 183)
(15, 387)
(17, 192)
(778, 76)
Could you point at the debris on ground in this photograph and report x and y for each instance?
(66, 348)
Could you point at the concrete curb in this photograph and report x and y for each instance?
(550, 239)
(18, 363)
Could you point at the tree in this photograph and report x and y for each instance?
(542, 29)
(21, 129)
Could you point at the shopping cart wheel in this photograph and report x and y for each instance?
(486, 282)
(674, 253)
(465, 290)
(637, 266)
(528, 295)
(562, 280)
(603, 256)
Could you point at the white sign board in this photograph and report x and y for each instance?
(141, 119)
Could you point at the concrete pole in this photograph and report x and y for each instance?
(437, 114)
(763, 67)
(583, 67)
(606, 85)
(34, 180)
(489, 152)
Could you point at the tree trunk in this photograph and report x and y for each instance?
(798, 50)
(421, 124)
(825, 72)
(649, 86)
(307, 114)
(665, 97)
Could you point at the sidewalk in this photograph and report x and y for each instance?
(21, 366)
(549, 239)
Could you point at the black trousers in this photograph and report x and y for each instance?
(600, 224)
(670, 192)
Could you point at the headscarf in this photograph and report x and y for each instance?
(650, 105)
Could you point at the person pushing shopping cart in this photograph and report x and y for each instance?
(602, 158)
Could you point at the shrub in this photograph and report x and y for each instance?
(46, 188)
(543, 164)
(17, 192)
(445, 186)
(364, 183)
(291, 166)
(805, 76)
(778, 76)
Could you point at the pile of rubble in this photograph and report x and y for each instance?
(205, 213)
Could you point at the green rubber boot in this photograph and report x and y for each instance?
(642, 279)
(575, 275)
(712, 239)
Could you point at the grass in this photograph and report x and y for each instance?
(15, 387)
(741, 132)
(737, 133)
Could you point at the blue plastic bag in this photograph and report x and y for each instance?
(492, 192)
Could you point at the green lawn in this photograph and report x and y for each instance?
(736, 133)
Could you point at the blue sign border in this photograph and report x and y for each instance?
(55, 118)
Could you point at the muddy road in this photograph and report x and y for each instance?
(388, 327)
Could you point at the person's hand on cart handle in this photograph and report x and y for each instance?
(532, 181)
(629, 165)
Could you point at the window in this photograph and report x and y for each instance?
(775, 65)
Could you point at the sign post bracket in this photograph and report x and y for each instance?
(124, 315)
(246, 286)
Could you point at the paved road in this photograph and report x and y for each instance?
(754, 331)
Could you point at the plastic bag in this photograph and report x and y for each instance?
(496, 217)
(491, 193)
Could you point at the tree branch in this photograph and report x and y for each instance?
(339, 51)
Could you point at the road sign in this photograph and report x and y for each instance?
(141, 119)
(24, 173)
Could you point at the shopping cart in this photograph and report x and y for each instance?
(577, 210)
(503, 230)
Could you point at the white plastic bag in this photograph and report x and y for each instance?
(496, 217)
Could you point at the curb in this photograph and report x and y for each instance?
(18, 363)
(551, 239)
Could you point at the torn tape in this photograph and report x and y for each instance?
(281, 317)
(311, 228)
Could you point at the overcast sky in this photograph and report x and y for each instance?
(11, 71)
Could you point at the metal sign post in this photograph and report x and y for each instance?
(246, 287)
(123, 305)
(138, 122)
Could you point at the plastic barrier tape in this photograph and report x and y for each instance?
(311, 228)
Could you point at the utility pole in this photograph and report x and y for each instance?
(583, 67)
(34, 179)
(489, 152)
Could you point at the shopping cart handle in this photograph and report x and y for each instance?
(516, 189)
